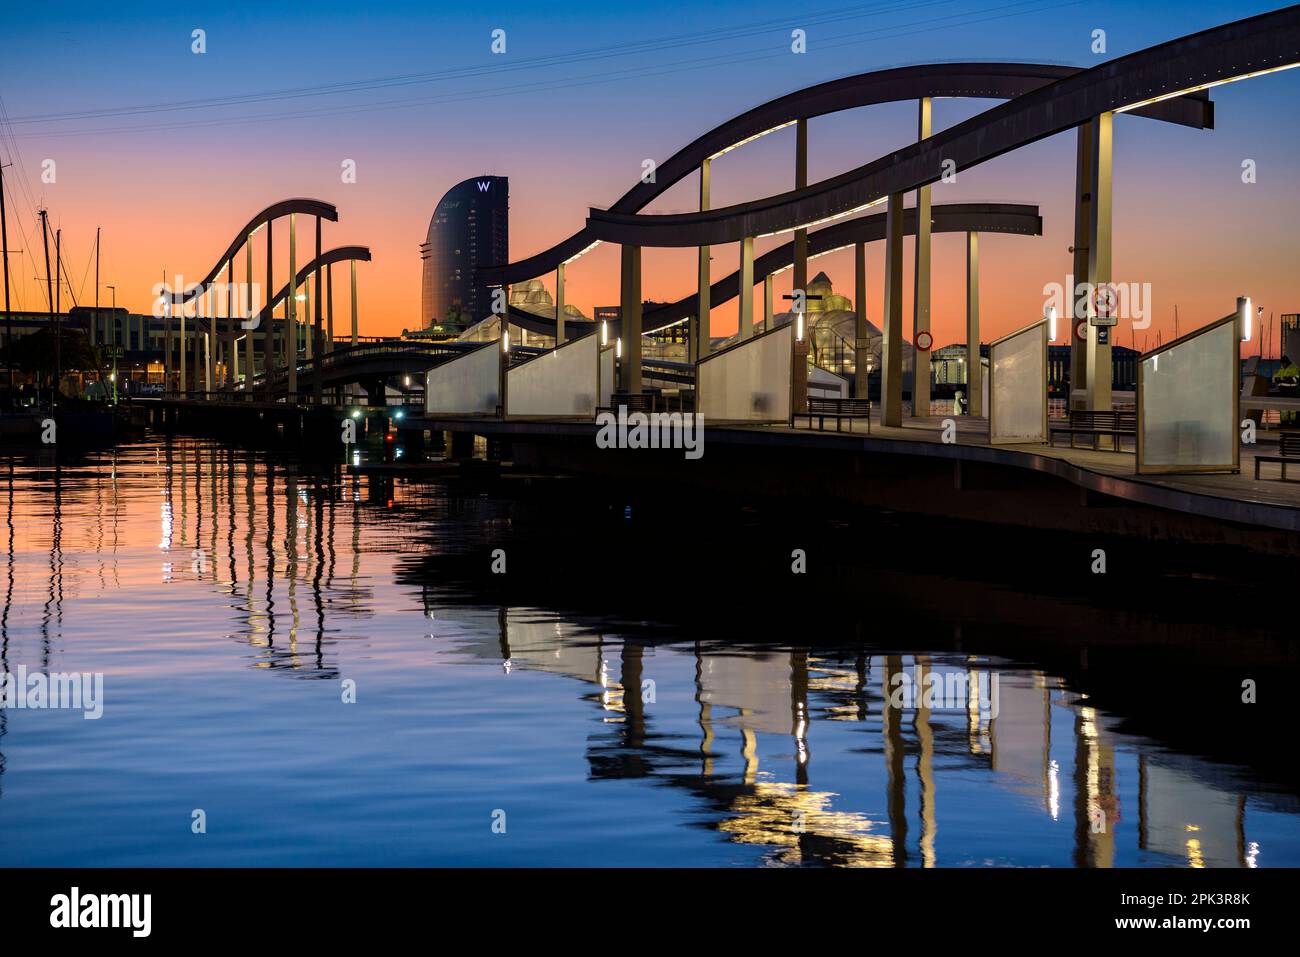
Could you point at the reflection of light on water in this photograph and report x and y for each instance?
(1194, 858)
(801, 735)
(1054, 789)
(1088, 728)
(768, 815)
(166, 542)
(1252, 854)
(827, 680)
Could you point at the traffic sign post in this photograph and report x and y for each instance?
(1103, 301)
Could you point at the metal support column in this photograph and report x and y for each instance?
(745, 299)
(861, 344)
(559, 304)
(800, 181)
(891, 350)
(974, 364)
(630, 308)
(1078, 296)
(703, 303)
(290, 311)
(1099, 264)
(921, 289)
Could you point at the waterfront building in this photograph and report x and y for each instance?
(469, 229)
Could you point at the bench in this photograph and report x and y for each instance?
(837, 409)
(1096, 424)
(1288, 452)
(635, 401)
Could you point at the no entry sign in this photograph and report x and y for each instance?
(924, 341)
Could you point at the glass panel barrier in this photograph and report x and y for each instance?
(1187, 403)
(1017, 384)
(467, 385)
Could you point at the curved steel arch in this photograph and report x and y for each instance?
(266, 313)
(309, 207)
(982, 80)
(1270, 41)
(338, 254)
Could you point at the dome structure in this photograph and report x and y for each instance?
(831, 332)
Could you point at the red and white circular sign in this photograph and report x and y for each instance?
(924, 341)
(1081, 330)
(1104, 300)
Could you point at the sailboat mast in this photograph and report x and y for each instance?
(49, 288)
(58, 308)
(94, 325)
(4, 252)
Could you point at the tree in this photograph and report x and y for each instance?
(34, 353)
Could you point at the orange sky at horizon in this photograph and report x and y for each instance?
(1193, 231)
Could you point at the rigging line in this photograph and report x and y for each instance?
(62, 270)
(583, 55)
(15, 155)
(16, 159)
(27, 250)
(86, 273)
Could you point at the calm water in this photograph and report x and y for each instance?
(643, 686)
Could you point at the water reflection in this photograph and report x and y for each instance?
(1185, 815)
(153, 562)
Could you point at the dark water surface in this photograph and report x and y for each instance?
(648, 683)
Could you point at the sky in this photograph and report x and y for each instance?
(170, 152)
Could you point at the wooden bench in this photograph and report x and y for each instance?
(837, 409)
(635, 401)
(1288, 453)
(1082, 422)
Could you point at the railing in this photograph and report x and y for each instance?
(363, 350)
(673, 400)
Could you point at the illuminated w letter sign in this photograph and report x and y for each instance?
(483, 185)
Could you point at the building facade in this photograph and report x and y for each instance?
(470, 228)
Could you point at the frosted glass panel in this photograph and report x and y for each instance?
(1188, 403)
(606, 376)
(467, 385)
(562, 382)
(749, 382)
(1018, 387)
